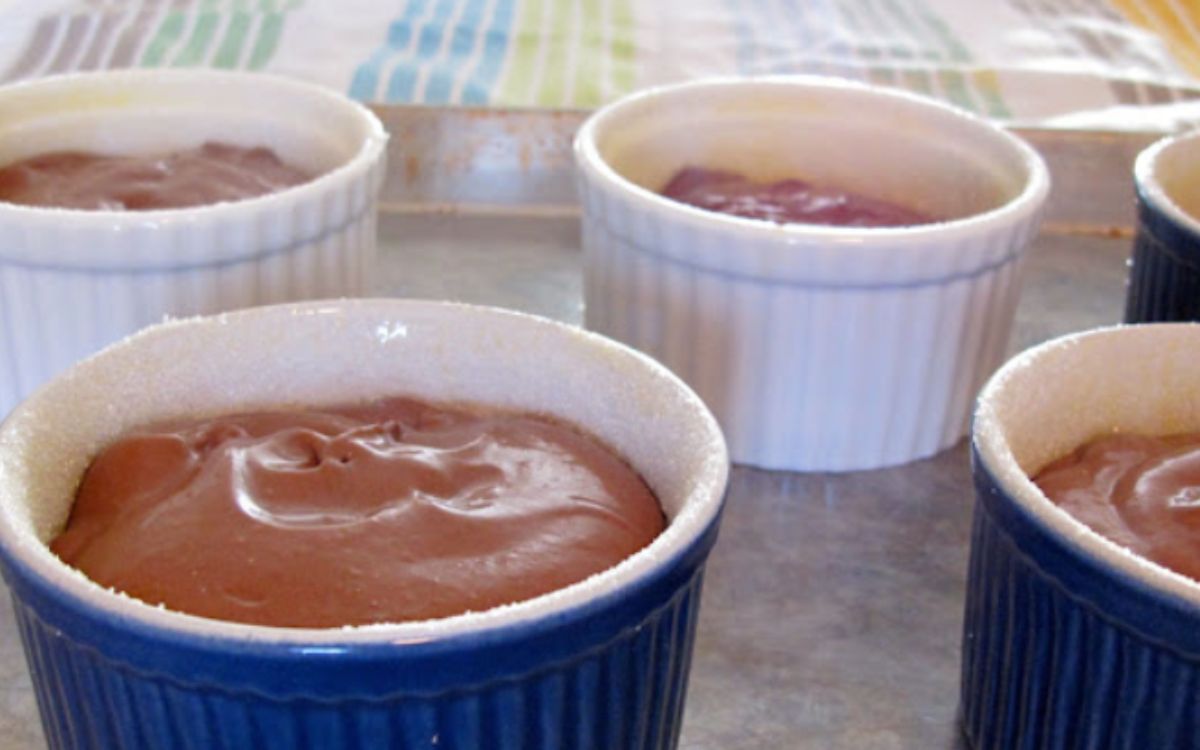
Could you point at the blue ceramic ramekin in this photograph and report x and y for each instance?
(600, 664)
(1069, 640)
(1164, 270)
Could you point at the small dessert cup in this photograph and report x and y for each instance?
(601, 663)
(1069, 639)
(73, 281)
(1164, 270)
(817, 347)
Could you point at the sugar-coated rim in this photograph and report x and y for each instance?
(703, 506)
(988, 436)
(593, 166)
(373, 144)
(1152, 191)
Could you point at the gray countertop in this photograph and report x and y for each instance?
(832, 607)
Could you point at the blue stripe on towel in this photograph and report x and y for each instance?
(365, 84)
(404, 78)
(481, 81)
(462, 43)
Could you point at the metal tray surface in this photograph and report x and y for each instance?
(832, 610)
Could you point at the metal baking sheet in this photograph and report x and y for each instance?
(832, 606)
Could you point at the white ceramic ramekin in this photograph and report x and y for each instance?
(818, 348)
(601, 663)
(72, 281)
(1069, 639)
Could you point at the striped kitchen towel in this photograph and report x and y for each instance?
(1050, 61)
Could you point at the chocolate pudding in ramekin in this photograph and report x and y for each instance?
(599, 663)
(1071, 637)
(822, 340)
(82, 269)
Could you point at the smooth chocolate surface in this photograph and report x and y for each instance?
(390, 511)
(211, 173)
(790, 201)
(1141, 492)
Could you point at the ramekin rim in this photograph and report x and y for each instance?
(639, 567)
(373, 144)
(1150, 189)
(990, 443)
(1027, 202)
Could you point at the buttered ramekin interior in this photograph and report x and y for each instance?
(1169, 173)
(268, 357)
(1051, 399)
(891, 147)
(141, 113)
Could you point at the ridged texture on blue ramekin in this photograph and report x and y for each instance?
(1070, 640)
(1164, 270)
(74, 281)
(1051, 657)
(615, 679)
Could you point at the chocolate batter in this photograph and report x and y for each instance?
(1142, 492)
(386, 512)
(212, 173)
(785, 202)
